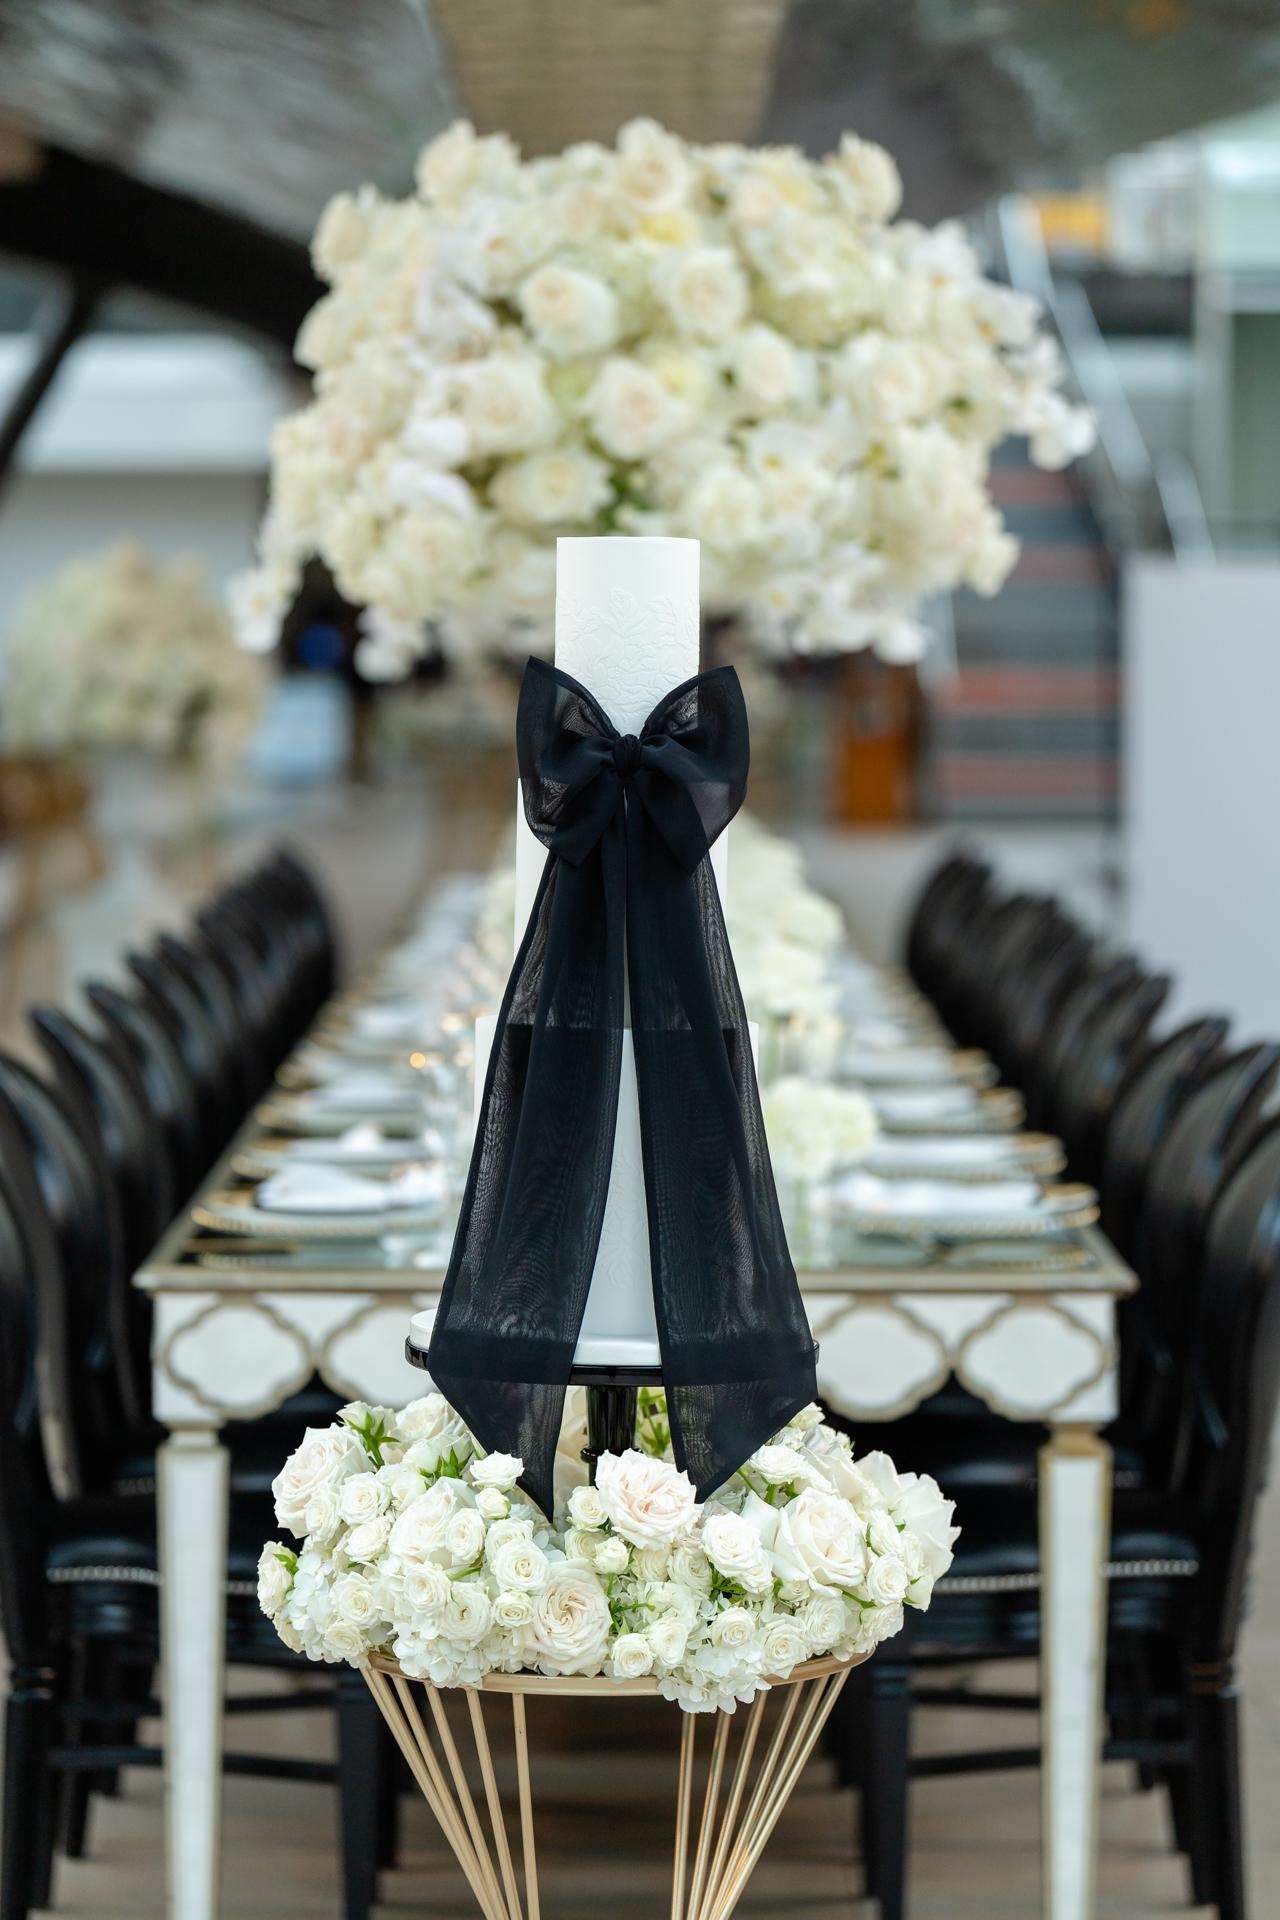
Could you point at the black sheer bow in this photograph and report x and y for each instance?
(627, 823)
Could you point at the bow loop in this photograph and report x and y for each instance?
(687, 768)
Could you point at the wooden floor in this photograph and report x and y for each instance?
(603, 1790)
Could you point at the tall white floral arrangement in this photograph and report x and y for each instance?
(739, 345)
(116, 651)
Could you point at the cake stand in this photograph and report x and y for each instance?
(755, 1758)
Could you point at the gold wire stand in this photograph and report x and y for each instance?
(720, 1833)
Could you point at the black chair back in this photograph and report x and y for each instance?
(1236, 1390)
(1027, 1009)
(48, 1182)
(197, 964)
(1198, 1154)
(24, 1478)
(1142, 1112)
(937, 931)
(142, 1043)
(1108, 1047)
(179, 1007)
(1104, 980)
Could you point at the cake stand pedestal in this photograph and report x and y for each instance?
(722, 1823)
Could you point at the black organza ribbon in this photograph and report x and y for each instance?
(627, 896)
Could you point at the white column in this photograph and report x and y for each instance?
(1075, 1527)
(192, 1478)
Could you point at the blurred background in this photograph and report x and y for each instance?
(161, 169)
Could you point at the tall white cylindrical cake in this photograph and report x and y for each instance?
(628, 624)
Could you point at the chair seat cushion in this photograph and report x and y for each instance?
(115, 1535)
(999, 1535)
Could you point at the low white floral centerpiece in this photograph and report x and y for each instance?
(737, 345)
(117, 651)
(407, 1540)
(816, 1128)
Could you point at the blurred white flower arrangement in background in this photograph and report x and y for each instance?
(410, 1541)
(119, 652)
(737, 345)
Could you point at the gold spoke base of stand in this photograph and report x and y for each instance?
(756, 1758)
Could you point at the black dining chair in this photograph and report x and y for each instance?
(78, 1602)
(1026, 1006)
(938, 923)
(213, 1068)
(1105, 979)
(193, 961)
(1177, 1581)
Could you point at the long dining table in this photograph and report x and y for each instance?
(243, 1321)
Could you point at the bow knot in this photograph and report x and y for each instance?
(626, 755)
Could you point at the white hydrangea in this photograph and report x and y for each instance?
(613, 338)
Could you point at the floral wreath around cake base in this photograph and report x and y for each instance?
(417, 1548)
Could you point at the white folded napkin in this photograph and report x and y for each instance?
(363, 1146)
(380, 1092)
(896, 1066)
(316, 1189)
(864, 1192)
(924, 1103)
(953, 1151)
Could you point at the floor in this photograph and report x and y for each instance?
(604, 1791)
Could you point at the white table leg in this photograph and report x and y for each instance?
(192, 1486)
(1075, 1526)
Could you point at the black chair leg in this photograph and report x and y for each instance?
(393, 1775)
(886, 1784)
(1218, 1850)
(362, 1776)
(27, 1797)
(75, 1785)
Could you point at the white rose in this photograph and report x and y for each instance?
(275, 1577)
(824, 1622)
(669, 1639)
(704, 290)
(326, 1457)
(518, 1527)
(520, 1563)
(365, 1542)
(733, 1546)
(428, 1451)
(780, 1466)
(886, 1580)
(690, 1568)
(571, 1623)
(734, 1627)
(505, 404)
(580, 1546)
(648, 1502)
(888, 380)
(512, 1610)
(651, 1563)
(425, 1417)
(404, 1484)
(612, 1555)
(766, 367)
(343, 1641)
(724, 507)
(631, 1657)
(570, 313)
(500, 1470)
(427, 1588)
(882, 1534)
(652, 170)
(819, 1541)
(342, 232)
(586, 1508)
(458, 161)
(468, 1614)
(631, 411)
(926, 1515)
(834, 1456)
(492, 1503)
(464, 1537)
(361, 1498)
(785, 1646)
(562, 484)
(420, 1531)
(869, 177)
(353, 1600)
(322, 1518)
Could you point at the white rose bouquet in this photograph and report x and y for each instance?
(815, 1127)
(116, 651)
(409, 1541)
(738, 345)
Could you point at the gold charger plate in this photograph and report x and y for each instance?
(1064, 1207)
(235, 1213)
(995, 1110)
(1034, 1153)
(293, 1114)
